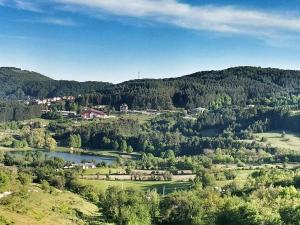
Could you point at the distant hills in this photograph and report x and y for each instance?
(17, 84)
(238, 86)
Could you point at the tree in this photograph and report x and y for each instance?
(115, 145)
(206, 178)
(290, 215)
(181, 208)
(74, 141)
(123, 146)
(235, 212)
(106, 142)
(38, 138)
(50, 143)
(78, 141)
(125, 207)
(230, 174)
(129, 149)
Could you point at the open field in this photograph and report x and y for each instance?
(169, 186)
(45, 208)
(104, 171)
(290, 141)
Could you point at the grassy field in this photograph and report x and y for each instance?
(169, 186)
(47, 209)
(103, 171)
(241, 176)
(290, 141)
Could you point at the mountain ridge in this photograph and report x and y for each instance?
(242, 85)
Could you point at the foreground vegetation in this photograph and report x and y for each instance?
(239, 156)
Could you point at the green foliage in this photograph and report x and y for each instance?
(19, 144)
(123, 146)
(74, 141)
(188, 209)
(25, 179)
(127, 207)
(129, 149)
(17, 84)
(290, 215)
(230, 174)
(115, 145)
(50, 143)
(207, 179)
(5, 180)
(235, 212)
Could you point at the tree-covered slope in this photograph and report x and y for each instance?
(16, 84)
(237, 86)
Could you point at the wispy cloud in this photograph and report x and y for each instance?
(26, 5)
(50, 20)
(224, 19)
(58, 21)
(221, 19)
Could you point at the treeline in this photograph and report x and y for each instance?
(14, 111)
(234, 86)
(215, 89)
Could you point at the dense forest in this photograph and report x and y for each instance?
(18, 84)
(233, 86)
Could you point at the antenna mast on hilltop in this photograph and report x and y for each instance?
(139, 75)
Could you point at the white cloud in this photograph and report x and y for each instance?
(225, 19)
(221, 19)
(58, 21)
(49, 20)
(26, 5)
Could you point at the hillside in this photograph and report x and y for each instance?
(17, 84)
(236, 86)
(41, 207)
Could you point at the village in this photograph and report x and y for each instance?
(99, 111)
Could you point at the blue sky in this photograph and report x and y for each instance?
(115, 40)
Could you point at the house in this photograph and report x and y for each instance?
(124, 108)
(68, 113)
(81, 165)
(69, 98)
(93, 113)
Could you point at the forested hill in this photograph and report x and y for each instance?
(17, 84)
(238, 86)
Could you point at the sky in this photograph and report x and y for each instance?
(118, 40)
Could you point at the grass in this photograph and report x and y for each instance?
(169, 186)
(103, 171)
(290, 141)
(142, 118)
(47, 209)
(241, 176)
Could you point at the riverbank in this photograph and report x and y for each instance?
(94, 152)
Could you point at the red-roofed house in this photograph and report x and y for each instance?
(92, 113)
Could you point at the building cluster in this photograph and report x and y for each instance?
(83, 166)
(49, 101)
